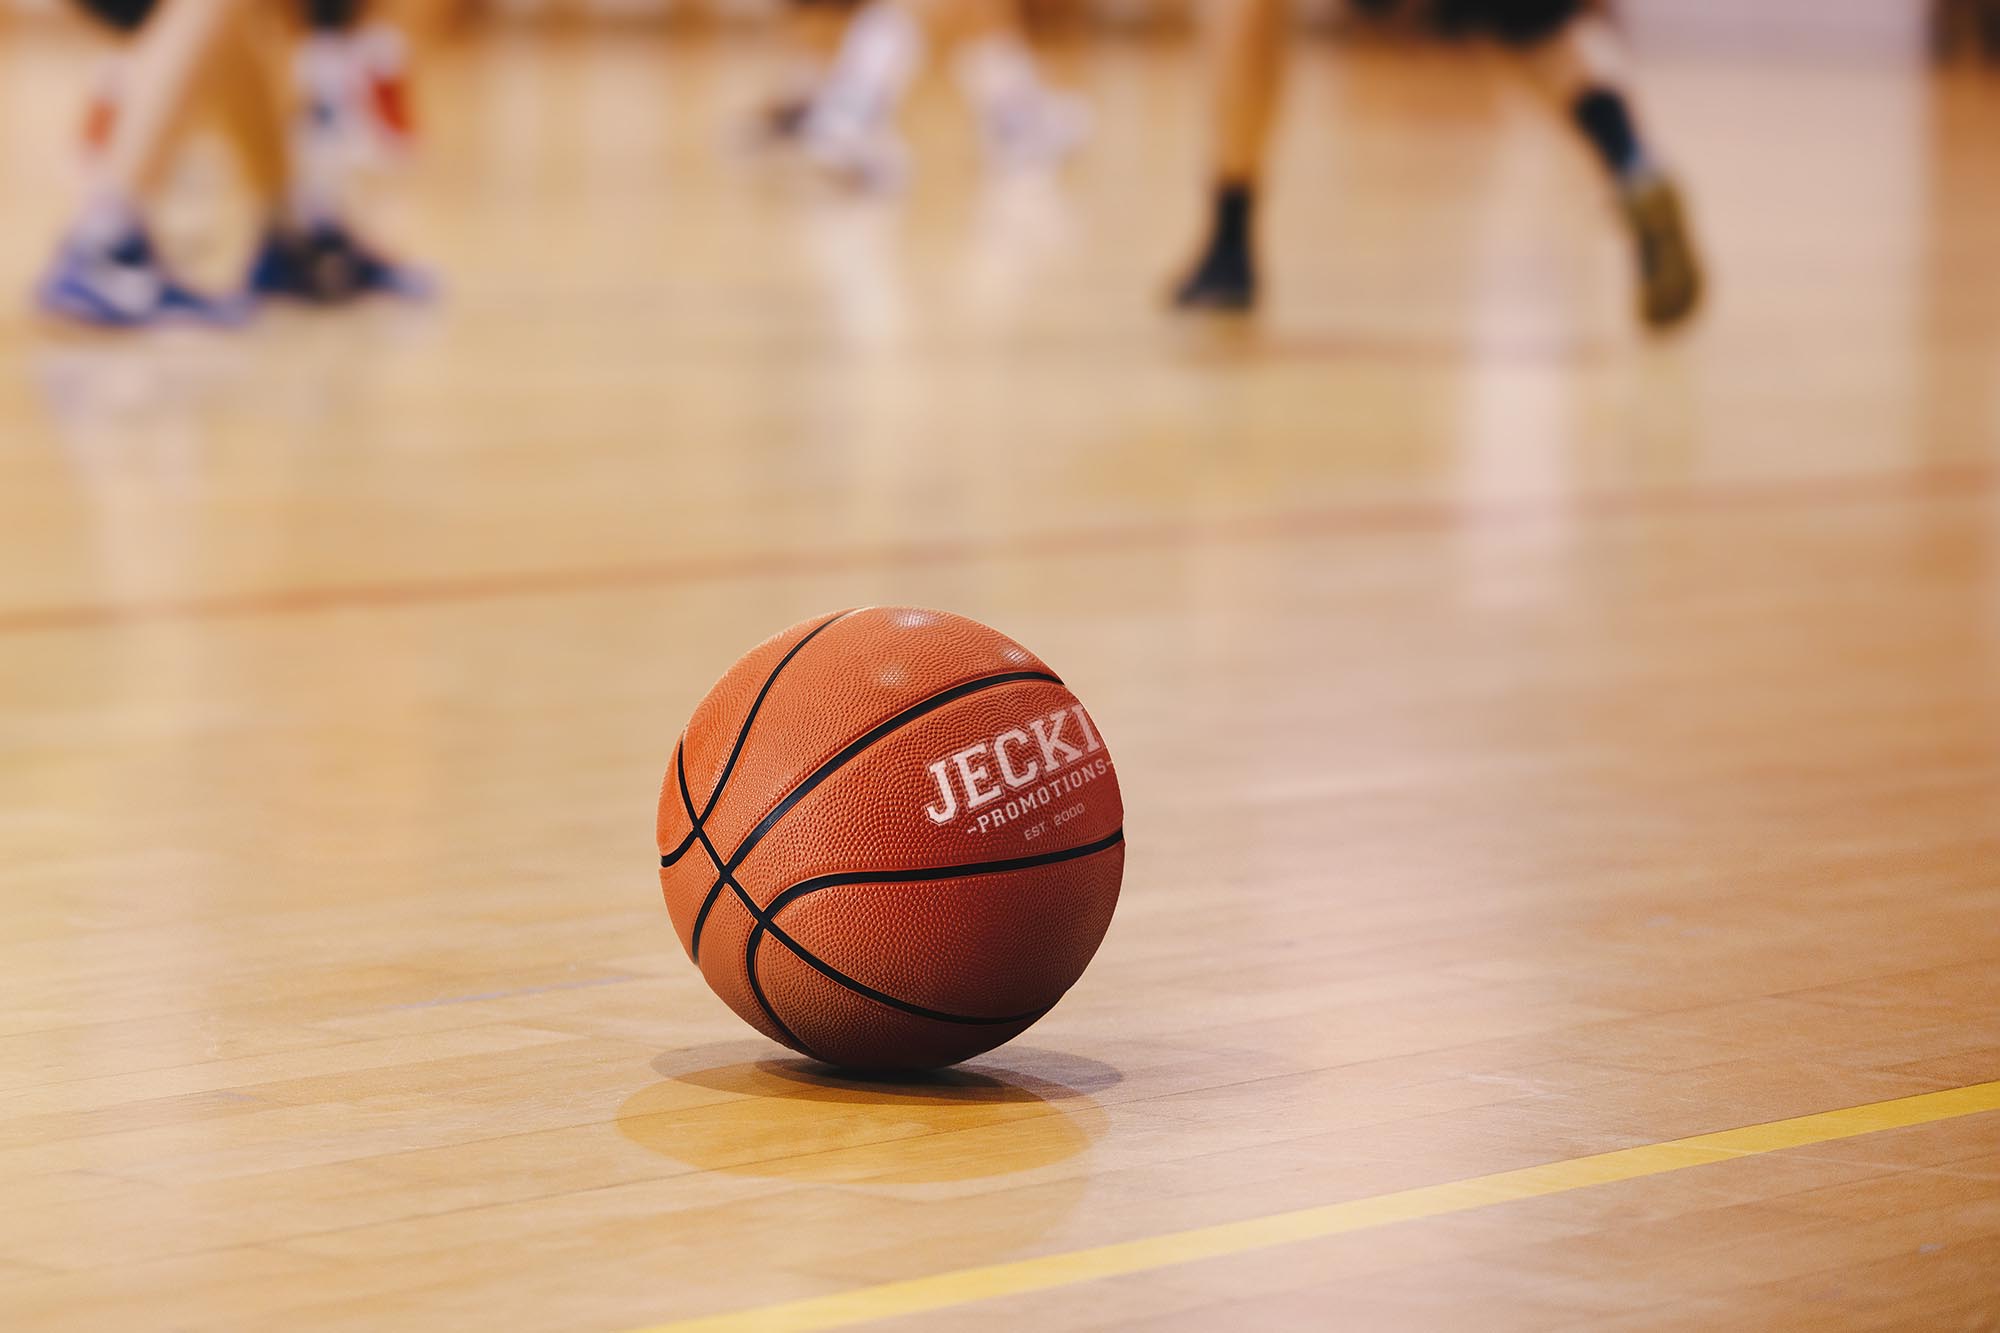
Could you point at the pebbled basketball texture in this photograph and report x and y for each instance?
(891, 838)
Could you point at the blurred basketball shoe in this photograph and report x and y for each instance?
(326, 264)
(119, 282)
(782, 120)
(1023, 123)
(858, 146)
(1225, 277)
(1035, 132)
(850, 129)
(1670, 279)
(1223, 280)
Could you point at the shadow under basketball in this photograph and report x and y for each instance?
(794, 1119)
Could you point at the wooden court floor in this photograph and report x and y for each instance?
(1562, 770)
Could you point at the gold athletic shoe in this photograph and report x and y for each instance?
(1669, 271)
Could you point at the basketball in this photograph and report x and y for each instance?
(891, 838)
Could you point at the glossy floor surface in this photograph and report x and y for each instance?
(1537, 741)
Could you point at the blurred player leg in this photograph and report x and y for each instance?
(851, 127)
(101, 112)
(1246, 63)
(353, 78)
(852, 131)
(107, 272)
(809, 37)
(1580, 61)
(1022, 121)
(309, 252)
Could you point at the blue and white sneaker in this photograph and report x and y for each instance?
(125, 287)
(328, 265)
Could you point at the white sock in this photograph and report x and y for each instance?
(879, 57)
(307, 206)
(329, 73)
(327, 66)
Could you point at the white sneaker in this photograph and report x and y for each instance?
(1034, 133)
(864, 152)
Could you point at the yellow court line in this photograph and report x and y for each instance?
(943, 1290)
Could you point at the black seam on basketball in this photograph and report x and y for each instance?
(715, 889)
(868, 738)
(743, 732)
(757, 987)
(667, 860)
(698, 823)
(840, 978)
(750, 949)
(931, 874)
(812, 960)
(924, 875)
(725, 875)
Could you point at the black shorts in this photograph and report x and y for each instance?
(126, 15)
(1520, 22)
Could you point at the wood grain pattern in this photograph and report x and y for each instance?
(1537, 742)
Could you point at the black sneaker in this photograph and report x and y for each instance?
(1225, 279)
(327, 265)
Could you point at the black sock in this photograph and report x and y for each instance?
(1234, 201)
(1607, 122)
(134, 249)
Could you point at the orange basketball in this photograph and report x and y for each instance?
(891, 838)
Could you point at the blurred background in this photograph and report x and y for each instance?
(697, 282)
(692, 295)
(640, 266)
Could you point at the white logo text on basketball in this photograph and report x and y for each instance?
(1051, 755)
